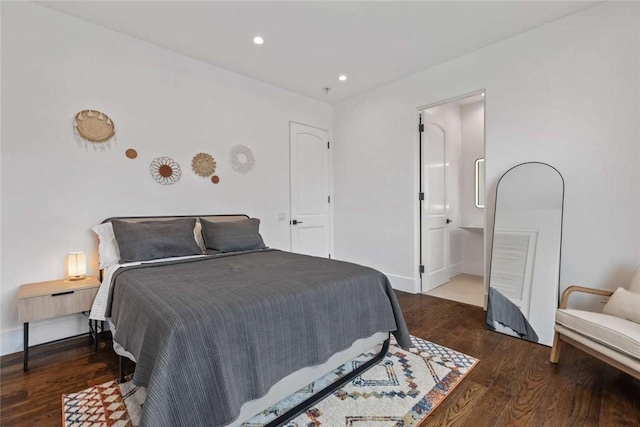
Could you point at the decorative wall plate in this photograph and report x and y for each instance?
(131, 153)
(241, 158)
(215, 179)
(94, 126)
(165, 170)
(203, 164)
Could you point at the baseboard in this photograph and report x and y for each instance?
(455, 269)
(44, 331)
(474, 268)
(402, 283)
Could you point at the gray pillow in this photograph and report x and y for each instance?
(232, 236)
(146, 240)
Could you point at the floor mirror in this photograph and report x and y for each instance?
(524, 272)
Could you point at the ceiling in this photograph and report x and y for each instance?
(308, 44)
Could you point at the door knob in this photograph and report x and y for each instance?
(449, 221)
(295, 222)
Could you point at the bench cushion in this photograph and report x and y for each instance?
(614, 332)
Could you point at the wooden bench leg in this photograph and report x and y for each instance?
(555, 350)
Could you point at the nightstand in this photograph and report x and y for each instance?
(44, 300)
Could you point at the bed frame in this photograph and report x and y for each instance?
(315, 398)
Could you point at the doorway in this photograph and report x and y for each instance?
(310, 222)
(452, 199)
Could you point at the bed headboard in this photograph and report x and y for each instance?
(212, 218)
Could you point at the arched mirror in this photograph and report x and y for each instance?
(525, 258)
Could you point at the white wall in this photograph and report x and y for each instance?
(566, 94)
(163, 104)
(472, 119)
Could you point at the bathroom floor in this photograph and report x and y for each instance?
(464, 288)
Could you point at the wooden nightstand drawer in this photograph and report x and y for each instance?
(56, 304)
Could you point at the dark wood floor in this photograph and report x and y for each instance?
(513, 385)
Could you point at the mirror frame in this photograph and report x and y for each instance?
(493, 231)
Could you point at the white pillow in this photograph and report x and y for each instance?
(197, 233)
(108, 252)
(624, 304)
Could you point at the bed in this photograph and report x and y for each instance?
(221, 336)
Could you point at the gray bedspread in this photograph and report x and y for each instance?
(502, 310)
(212, 333)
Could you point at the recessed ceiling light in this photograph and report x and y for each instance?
(342, 78)
(258, 40)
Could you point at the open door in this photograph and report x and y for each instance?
(433, 205)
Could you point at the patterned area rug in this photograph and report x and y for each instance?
(399, 391)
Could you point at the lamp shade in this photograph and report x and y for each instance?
(77, 265)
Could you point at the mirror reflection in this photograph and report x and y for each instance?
(525, 257)
(479, 178)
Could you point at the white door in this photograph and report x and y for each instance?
(310, 221)
(435, 236)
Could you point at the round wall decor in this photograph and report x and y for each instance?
(94, 126)
(131, 153)
(165, 170)
(203, 164)
(215, 179)
(241, 158)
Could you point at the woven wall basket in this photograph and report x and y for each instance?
(94, 126)
(241, 158)
(203, 164)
